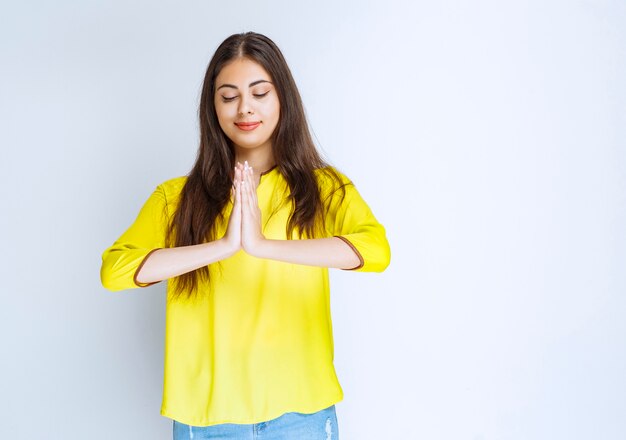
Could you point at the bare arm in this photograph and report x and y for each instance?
(170, 262)
(324, 252)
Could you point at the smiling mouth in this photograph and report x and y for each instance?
(247, 126)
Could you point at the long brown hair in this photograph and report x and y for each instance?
(208, 187)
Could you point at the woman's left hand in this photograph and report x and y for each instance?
(251, 232)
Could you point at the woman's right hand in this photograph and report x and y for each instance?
(232, 237)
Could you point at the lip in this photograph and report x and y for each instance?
(247, 126)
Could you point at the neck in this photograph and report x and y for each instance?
(260, 161)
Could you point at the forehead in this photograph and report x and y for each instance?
(241, 72)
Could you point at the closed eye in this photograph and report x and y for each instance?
(228, 99)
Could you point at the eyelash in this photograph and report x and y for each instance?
(230, 99)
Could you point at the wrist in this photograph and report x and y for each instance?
(258, 248)
(229, 247)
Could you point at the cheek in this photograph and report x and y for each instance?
(273, 110)
(223, 116)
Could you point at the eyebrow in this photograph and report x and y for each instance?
(253, 83)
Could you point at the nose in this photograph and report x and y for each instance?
(244, 106)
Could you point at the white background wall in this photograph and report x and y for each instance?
(489, 138)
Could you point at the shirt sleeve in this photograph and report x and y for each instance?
(352, 221)
(124, 258)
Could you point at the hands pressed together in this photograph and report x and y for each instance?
(244, 231)
(244, 225)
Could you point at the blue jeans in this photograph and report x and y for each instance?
(321, 425)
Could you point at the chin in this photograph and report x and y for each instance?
(248, 144)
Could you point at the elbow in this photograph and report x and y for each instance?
(107, 279)
(380, 252)
(386, 260)
(119, 270)
(111, 277)
(383, 260)
(380, 257)
(377, 261)
(107, 272)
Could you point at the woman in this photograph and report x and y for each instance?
(245, 241)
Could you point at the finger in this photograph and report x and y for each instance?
(237, 188)
(243, 173)
(250, 189)
(251, 174)
(255, 187)
(255, 201)
(237, 206)
(248, 176)
(240, 180)
(244, 194)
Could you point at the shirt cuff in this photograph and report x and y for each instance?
(356, 251)
(139, 268)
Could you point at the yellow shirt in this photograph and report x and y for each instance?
(258, 343)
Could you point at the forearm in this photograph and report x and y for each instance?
(170, 262)
(323, 252)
